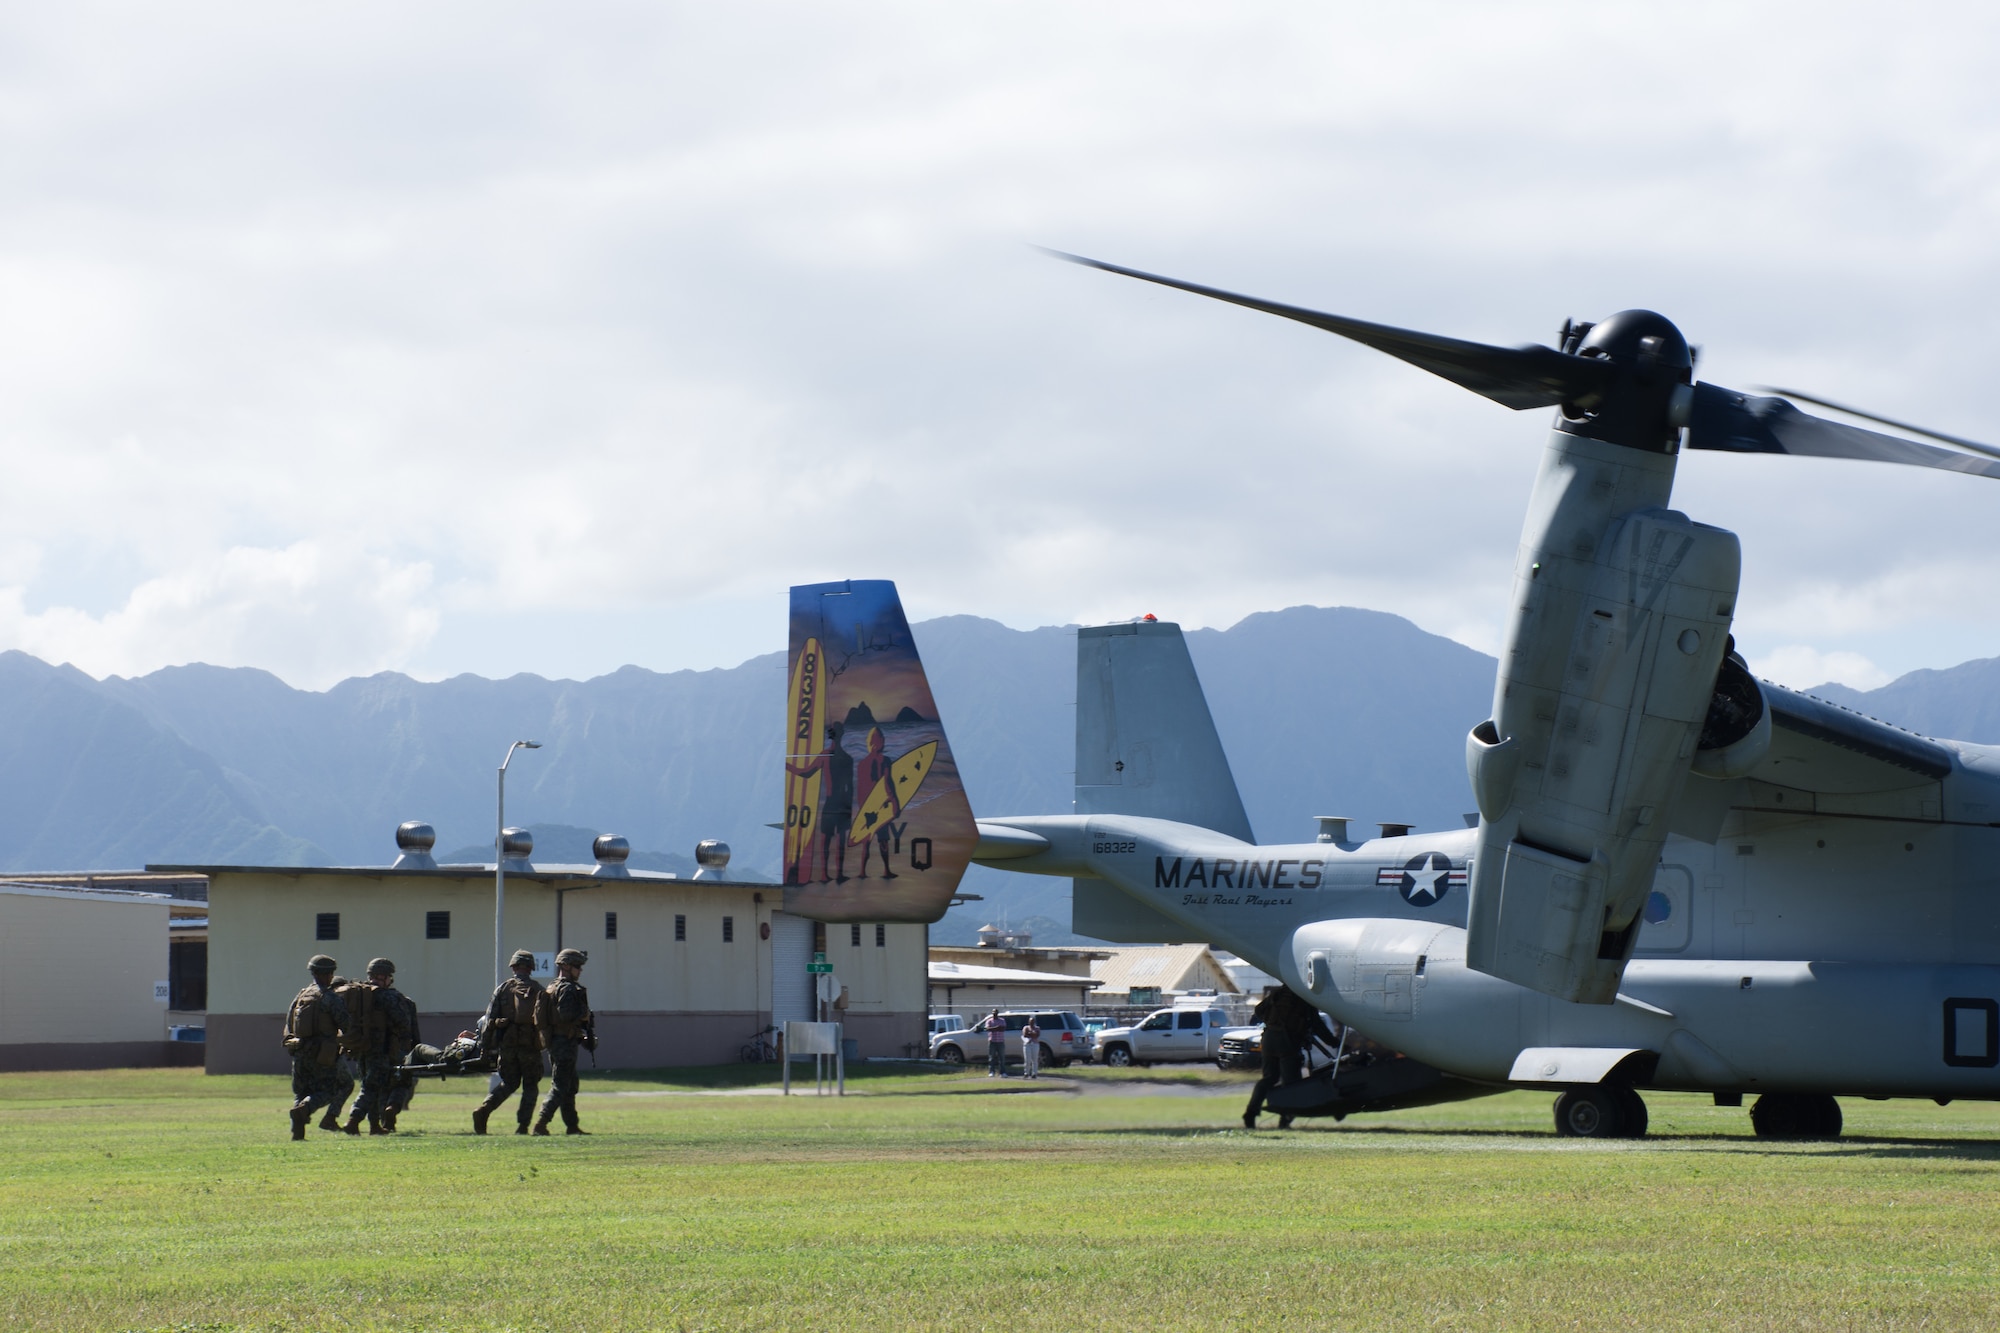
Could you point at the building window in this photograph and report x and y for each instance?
(881, 937)
(328, 927)
(437, 925)
(854, 936)
(680, 927)
(728, 929)
(611, 925)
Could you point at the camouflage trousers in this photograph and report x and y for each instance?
(518, 1069)
(562, 1083)
(378, 1080)
(315, 1085)
(404, 1089)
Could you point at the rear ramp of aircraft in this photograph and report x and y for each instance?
(1145, 745)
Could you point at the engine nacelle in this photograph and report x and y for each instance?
(1621, 620)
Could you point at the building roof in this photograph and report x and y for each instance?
(545, 874)
(1171, 967)
(968, 974)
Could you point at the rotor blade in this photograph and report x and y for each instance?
(1737, 423)
(1958, 440)
(1516, 377)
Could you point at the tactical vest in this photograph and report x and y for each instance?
(310, 1028)
(518, 1004)
(569, 1010)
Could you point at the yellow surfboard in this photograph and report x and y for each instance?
(802, 743)
(893, 793)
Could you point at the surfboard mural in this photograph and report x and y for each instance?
(877, 825)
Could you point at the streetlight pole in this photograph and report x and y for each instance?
(500, 864)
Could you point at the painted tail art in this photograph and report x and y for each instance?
(877, 825)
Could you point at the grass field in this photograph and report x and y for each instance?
(165, 1199)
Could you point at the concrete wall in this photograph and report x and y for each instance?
(77, 972)
(660, 1001)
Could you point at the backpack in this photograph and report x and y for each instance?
(362, 1015)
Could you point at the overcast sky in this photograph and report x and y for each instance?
(492, 337)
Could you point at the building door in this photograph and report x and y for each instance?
(791, 985)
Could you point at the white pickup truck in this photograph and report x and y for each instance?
(1167, 1034)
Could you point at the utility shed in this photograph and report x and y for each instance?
(681, 972)
(83, 977)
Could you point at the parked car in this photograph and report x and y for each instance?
(1243, 1048)
(1064, 1039)
(945, 1023)
(1180, 1034)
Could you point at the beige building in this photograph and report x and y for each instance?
(681, 972)
(1156, 973)
(83, 979)
(966, 989)
(1060, 960)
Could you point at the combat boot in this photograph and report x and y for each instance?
(541, 1129)
(389, 1122)
(375, 1125)
(300, 1116)
(331, 1120)
(575, 1129)
(479, 1114)
(353, 1125)
(522, 1128)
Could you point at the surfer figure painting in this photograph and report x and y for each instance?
(855, 673)
(834, 769)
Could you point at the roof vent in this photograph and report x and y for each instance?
(989, 935)
(611, 851)
(712, 855)
(1332, 828)
(1397, 830)
(516, 846)
(414, 840)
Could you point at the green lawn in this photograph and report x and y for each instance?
(165, 1199)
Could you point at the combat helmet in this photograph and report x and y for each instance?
(573, 957)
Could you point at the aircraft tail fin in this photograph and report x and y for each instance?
(877, 824)
(1145, 742)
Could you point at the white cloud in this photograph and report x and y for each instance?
(308, 614)
(659, 312)
(1803, 667)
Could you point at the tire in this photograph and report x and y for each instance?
(1048, 1056)
(1118, 1057)
(1632, 1110)
(1796, 1115)
(1592, 1112)
(1060, 1064)
(951, 1055)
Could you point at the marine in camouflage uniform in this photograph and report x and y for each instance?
(405, 1085)
(570, 1027)
(514, 1023)
(379, 1037)
(312, 1037)
(1290, 1025)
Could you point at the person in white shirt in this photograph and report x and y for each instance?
(1031, 1049)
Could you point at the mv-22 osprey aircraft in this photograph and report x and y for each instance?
(1682, 877)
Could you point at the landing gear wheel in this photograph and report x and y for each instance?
(1632, 1109)
(1589, 1113)
(1796, 1115)
(1119, 1057)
